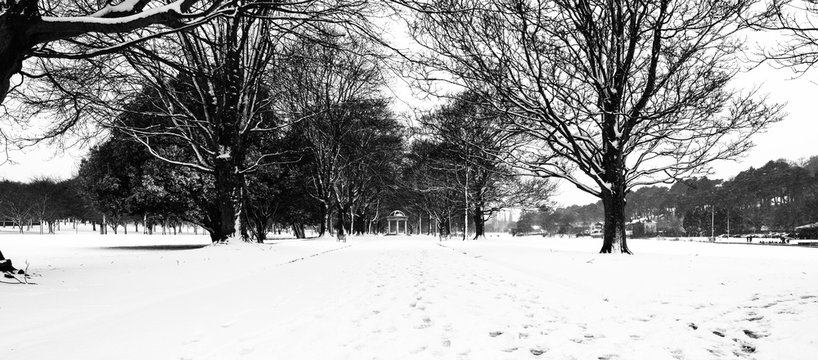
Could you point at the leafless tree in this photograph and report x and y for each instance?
(327, 82)
(429, 184)
(471, 132)
(614, 94)
(17, 203)
(213, 89)
(797, 22)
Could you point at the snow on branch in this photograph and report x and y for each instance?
(125, 7)
(107, 20)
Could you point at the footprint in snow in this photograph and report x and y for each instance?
(753, 335)
(677, 354)
(538, 351)
(745, 347)
(427, 322)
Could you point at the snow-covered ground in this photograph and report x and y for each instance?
(176, 297)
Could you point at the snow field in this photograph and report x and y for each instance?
(675, 300)
(175, 297)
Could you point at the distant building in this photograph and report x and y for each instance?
(596, 229)
(641, 227)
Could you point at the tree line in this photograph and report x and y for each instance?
(341, 171)
(610, 96)
(41, 204)
(779, 196)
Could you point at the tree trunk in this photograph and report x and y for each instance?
(449, 224)
(214, 237)
(613, 200)
(230, 155)
(14, 40)
(377, 213)
(224, 198)
(325, 225)
(298, 231)
(341, 235)
(351, 228)
(479, 222)
(330, 222)
(260, 231)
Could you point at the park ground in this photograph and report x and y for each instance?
(399, 297)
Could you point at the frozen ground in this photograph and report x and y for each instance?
(172, 297)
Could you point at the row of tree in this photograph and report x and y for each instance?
(778, 196)
(339, 170)
(610, 96)
(41, 203)
(459, 167)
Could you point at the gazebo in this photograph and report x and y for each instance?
(397, 217)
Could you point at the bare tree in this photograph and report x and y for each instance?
(614, 94)
(429, 183)
(326, 82)
(471, 133)
(369, 154)
(17, 203)
(797, 22)
(51, 30)
(212, 88)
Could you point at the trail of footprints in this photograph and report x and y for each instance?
(417, 295)
(417, 282)
(750, 322)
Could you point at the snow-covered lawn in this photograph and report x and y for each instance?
(175, 297)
